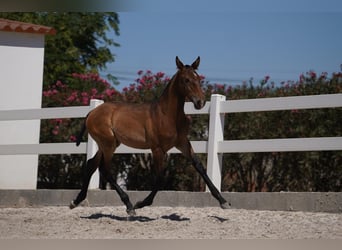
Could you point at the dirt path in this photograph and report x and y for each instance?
(166, 223)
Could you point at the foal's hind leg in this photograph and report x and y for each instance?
(88, 170)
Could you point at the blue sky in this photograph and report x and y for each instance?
(235, 39)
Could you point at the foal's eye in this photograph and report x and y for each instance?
(187, 80)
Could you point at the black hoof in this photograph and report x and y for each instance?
(225, 205)
(72, 205)
(131, 212)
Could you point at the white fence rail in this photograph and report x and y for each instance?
(214, 147)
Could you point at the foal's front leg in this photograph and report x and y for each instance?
(187, 150)
(201, 170)
(123, 196)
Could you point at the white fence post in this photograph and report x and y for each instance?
(92, 149)
(216, 129)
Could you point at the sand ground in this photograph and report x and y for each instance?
(165, 223)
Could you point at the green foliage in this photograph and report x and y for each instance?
(80, 45)
(80, 49)
(275, 171)
(289, 171)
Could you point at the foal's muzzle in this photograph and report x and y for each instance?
(198, 103)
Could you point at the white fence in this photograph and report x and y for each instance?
(214, 147)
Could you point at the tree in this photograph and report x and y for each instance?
(80, 45)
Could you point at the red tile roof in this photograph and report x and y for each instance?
(15, 26)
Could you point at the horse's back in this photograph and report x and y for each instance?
(112, 109)
(129, 123)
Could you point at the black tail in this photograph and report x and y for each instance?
(80, 135)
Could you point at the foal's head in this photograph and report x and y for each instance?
(189, 83)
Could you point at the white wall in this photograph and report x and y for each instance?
(21, 74)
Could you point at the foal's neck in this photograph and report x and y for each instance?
(171, 102)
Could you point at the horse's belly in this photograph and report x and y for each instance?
(132, 137)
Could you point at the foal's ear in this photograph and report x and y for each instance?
(196, 63)
(179, 64)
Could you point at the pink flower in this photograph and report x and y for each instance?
(85, 100)
(58, 121)
(72, 138)
(312, 74)
(55, 131)
(60, 84)
(72, 97)
(110, 92)
(160, 75)
(142, 81)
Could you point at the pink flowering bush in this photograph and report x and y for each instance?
(275, 171)
(146, 87)
(78, 91)
(288, 171)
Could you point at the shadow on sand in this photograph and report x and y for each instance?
(172, 217)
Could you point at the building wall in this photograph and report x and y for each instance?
(21, 67)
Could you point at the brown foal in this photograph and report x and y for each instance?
(159, 126)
